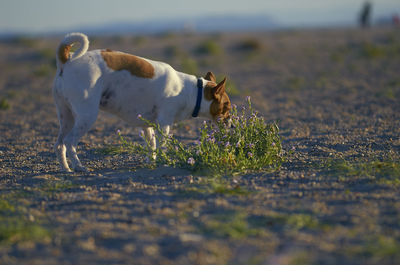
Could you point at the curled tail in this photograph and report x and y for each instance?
(63, 51)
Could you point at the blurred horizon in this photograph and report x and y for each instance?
(49, 16)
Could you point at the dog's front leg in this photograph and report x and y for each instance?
(151, 140)
(156, 141)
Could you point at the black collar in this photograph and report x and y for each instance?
(199, 96)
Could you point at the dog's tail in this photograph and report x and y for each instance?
(64, 49)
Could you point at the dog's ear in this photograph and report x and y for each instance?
(210, 77)
(220, 88)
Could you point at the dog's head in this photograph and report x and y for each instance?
(220, 102)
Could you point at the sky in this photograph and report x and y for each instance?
(35, 16)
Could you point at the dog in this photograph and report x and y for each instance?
(129, 87)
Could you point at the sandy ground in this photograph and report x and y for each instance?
(335, 95)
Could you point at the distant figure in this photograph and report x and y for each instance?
(365, 15)
(396, 20)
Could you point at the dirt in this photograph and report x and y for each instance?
(335, 95)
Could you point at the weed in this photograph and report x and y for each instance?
(4, 105)
(372, 51)
(15, 229)
(390, 90)
(216, 186)
(5, 206)
(384, 172)
(301, 258)
(382, 247)
(14, 226)
(300, 221)
(230, 225)
(250, 144)
(54, 186)
(249, 45)
(377, 248)
(209, 47)
(291, 222)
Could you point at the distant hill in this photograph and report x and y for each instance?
(215, 23)
(200, 24)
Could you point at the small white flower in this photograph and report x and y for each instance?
(141, 134)
(191, 161)
(139, 116)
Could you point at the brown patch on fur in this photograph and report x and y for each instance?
(208, 90)
(221, 104)
(122, 61)
(63, 53)
(211, 77)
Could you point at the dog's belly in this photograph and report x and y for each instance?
(128, 99)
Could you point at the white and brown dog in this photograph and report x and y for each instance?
(125, 85)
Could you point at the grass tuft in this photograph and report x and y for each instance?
(250, 144)
(15, 226)
(216, 186)
(4, 105)
(13, 230)
(230, 225)
(383, 172)
(209, 47)
(249, 45)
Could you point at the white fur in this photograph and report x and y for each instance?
(82, 82)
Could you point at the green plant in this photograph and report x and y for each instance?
(385, 172)
(249, 45)
(249, 144)
(209, 47)
(372, 51)
(230, 225)
(4, 105)
(15, 226)
(14, 230)
(215, 185)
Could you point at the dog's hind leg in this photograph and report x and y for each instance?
(66, 120)
(83, 122)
